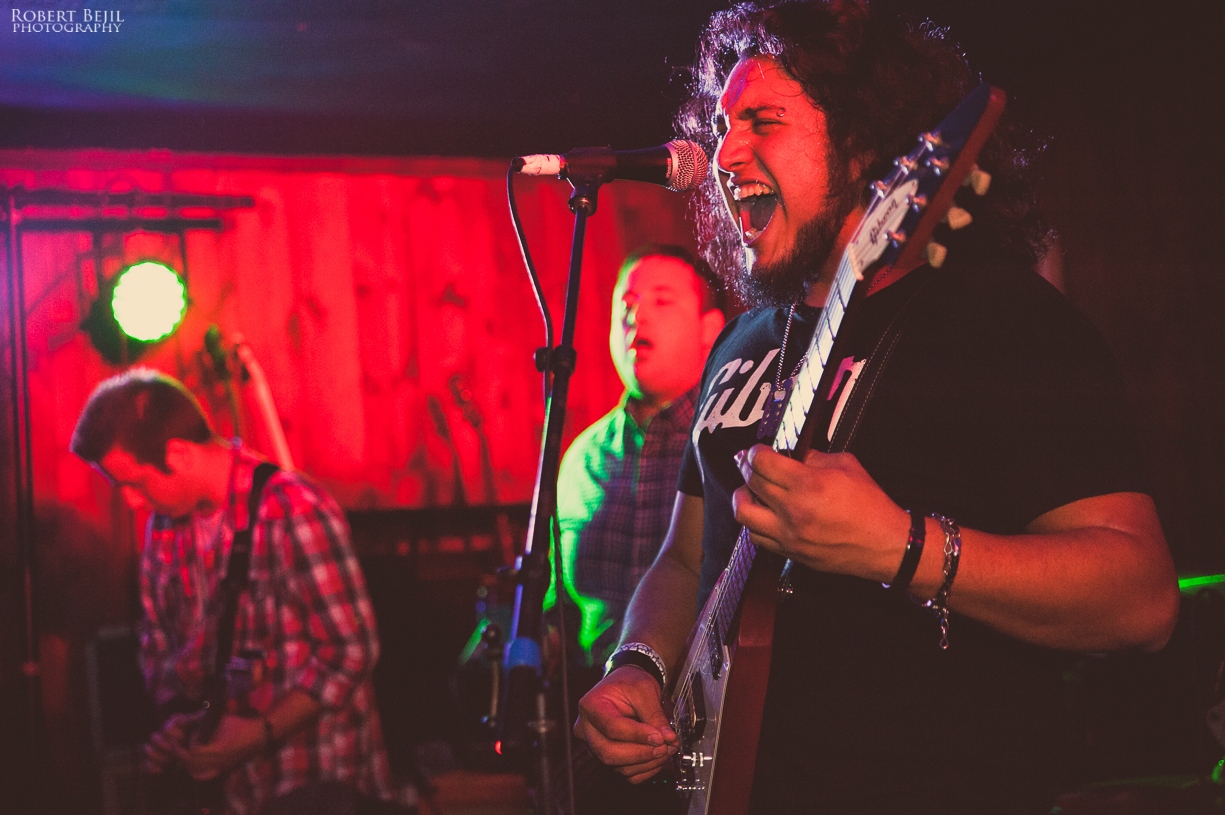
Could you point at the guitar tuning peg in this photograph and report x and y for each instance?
(979, 181)
(939, 166)
(958, 218)
(936, 255)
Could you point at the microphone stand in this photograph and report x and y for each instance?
(523, 705)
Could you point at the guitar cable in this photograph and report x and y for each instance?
(537, 289)
(563, 659)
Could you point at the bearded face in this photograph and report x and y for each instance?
(787, 194)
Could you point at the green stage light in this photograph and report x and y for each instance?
(1201, 582)
(149, 301)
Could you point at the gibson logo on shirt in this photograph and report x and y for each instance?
(716, 412)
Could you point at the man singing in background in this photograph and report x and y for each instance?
(617, 482)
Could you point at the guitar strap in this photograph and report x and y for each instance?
(848, 422)
(238, 571)
(864, 385)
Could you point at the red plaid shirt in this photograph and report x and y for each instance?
(306, 614)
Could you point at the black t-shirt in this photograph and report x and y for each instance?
(999, 403)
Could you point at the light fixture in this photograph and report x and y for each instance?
(143, 305)
(148, 301)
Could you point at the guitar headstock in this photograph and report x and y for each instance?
(896, 231)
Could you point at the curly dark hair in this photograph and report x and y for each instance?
(880, 80)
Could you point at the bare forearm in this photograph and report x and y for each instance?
(1089, 588)
(292, 712)
(1094, 574)
(663, 609)
(287, 715)
(238, 738)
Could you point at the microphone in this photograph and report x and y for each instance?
(678, 165)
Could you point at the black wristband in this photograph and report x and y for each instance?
(638, 660)
(913, 553)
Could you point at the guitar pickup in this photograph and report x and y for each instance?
(698, 698)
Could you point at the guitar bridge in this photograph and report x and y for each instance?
(690, 727)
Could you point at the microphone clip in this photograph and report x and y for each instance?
(590, 166)
(552, 360)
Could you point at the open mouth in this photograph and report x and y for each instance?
(755, 204)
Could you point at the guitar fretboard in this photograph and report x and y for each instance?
(812, 367)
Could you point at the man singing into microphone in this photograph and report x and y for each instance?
(997, 432)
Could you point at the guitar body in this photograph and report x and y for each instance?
(174, 792)
(717, 755)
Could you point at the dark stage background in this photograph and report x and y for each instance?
(378, 264)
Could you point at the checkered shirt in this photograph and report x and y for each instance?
(616, 490)
(306, 611)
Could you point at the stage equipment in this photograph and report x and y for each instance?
(148, 301)
(238, 362)
(523, 722)
(140, 306)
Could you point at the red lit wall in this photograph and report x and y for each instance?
(363, 286)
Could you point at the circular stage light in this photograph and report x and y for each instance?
(149, 301)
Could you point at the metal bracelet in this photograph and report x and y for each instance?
(645, 650)
(939, 605)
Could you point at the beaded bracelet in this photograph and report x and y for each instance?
(939, 605)
(642, 656)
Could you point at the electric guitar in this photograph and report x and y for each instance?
(719, 693)
(173, 791)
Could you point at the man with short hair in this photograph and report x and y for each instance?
(304, 620)
(999, 420)
(617, 481)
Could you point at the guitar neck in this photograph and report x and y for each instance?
(790, 437)
(731, 586)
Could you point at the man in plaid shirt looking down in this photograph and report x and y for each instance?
(308, 716)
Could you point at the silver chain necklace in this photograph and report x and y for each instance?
(772, 414)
